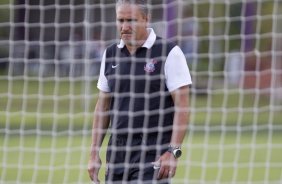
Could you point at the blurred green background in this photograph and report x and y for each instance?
(234, 135)
(46, 140)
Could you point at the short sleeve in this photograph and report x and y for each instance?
(102, 81)
(176, 70)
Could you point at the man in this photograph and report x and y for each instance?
(143, 101)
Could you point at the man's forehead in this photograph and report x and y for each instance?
(129, 9)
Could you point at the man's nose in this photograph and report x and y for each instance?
(125, 26)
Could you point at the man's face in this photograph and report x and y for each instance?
(131, 24)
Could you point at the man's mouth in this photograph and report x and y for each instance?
(126, 34)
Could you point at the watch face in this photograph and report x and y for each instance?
(177, 153)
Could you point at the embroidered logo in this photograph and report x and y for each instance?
(115, 66)
(150, 66)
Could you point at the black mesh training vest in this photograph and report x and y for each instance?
(141, 102)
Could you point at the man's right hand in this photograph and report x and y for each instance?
(94, 165)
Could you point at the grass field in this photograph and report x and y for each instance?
(221, 159)
(45, 129)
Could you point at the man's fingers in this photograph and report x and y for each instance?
(93, 171)
(171, 174)
(166, 166)
(95, 182)
(90, 173)
(166, 171)
(161, 173)
(94, 177)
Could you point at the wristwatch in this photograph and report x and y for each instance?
(175, 150)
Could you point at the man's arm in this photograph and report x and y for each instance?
(181, 115)
(100, 125)
(180, 124)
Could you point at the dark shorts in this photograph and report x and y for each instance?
(131, 162)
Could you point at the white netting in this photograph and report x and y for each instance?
(50, 53)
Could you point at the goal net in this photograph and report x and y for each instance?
(50, 55)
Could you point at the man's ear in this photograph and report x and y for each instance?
(147, 18)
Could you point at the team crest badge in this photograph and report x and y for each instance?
(150, 66)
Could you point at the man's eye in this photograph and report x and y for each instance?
(127, 20)
(132, 20)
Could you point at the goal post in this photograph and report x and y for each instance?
(50, 56)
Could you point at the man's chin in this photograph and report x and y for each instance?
(127, 38)
(129, 41)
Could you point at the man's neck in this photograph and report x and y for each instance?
(134, 46)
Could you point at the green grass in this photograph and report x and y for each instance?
(211, 158)
(41, 103)
(230, 157)
(45, 135)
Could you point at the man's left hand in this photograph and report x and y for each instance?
(167, 164)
